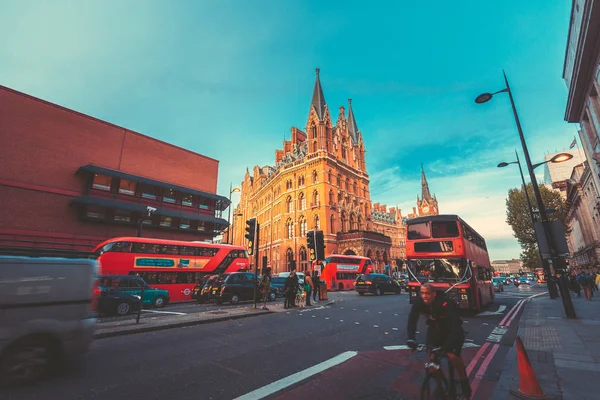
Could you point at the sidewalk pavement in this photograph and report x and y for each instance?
(129, 326)
(564, 353)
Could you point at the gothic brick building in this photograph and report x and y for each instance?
(319, 181)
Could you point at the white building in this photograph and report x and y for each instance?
(513, 266)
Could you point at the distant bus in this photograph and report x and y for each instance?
(445, 251)
(340, 271)
(172, 265)
(541, 275)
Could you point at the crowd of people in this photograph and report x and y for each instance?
(584, 281)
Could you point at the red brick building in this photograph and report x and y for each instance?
(70, 181)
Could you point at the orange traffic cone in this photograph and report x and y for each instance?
(529, 387)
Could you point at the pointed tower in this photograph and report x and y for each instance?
(427, 204)
(318, 126)
(352, 128)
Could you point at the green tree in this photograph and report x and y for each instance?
(518, 217)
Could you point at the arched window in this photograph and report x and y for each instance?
(354, 188)
(343, 226)
(352, 222)
(312, 131)
(314, 177)
(289, 203)
(330, 196)
(314, 147)
(303, 259)
(317, 223)
(290, 228)
(301, 202)
(360, 223)
(329, 177)
(315, 198)
(332, 223)
(301, 180)
(289, 255)
(347, 184)
(302, 226)
(339, 197)
(339, 180)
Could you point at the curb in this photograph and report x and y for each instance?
(143, 329)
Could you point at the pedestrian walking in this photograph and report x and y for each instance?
(586, 284)
(266, 287)
(308, 286)
(291, 287)
(316, 286)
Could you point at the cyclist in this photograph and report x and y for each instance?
(444, 329)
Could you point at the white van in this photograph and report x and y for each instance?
(47, 314)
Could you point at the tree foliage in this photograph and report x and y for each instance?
(518, 217)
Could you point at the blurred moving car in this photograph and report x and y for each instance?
(498, 285)
(47, 315)
(376, 284)
(133, 285)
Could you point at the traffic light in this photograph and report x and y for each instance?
(319, 245)
(310, 243)
(251, 233)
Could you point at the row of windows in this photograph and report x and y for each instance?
(102, 214)
(152, 248)
(473, 236)
(166, 278)
(137, 189)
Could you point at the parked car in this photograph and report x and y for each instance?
(376, 284)
(402, 279)
(278, 282)
(201, 292)
(48, 315)
(113, 302)
(235, 287)
(498, 285)
(133, 285)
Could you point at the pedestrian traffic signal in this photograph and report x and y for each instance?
(251, 233)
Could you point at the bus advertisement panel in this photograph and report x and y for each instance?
(172, 265)
(340, 271)
(446, 252)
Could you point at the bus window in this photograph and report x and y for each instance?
(444, 229)
(419, 231)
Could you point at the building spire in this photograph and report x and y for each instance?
(318, 99)
(352, 128)
(425, 194)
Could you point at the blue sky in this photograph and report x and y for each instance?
(229, 78)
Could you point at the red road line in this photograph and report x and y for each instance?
(477, 356)
(484, 366)
(512, 310)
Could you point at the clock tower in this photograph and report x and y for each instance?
(426, 204)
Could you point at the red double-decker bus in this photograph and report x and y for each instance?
(340, 271)
(172, 265)
(445, 251)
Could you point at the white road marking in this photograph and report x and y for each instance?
(501, 310)
(497, 334)
(379, 312)
(394, 329)
(297, 377)
(375, 326)
(341, 320)
(405, 347)
(314, 316)
(326, 317)
(357, 323)
(396, 315)
(164, 312)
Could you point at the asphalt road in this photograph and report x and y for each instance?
(225, 360)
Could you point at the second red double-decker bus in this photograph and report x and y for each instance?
(172, 265)
(340, 271)
(446, 252)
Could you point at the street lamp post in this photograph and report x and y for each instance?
(149, 211)
(231, 191)
(558, 158)
(566, 297)
(232, 225)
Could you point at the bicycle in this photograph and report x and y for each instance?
(435, 384)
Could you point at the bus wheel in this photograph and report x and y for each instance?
(159, 302)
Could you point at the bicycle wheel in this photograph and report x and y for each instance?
(434, 387)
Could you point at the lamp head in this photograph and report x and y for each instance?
(502, 165)
(483, 98)
(561, 157)
(235, 190)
